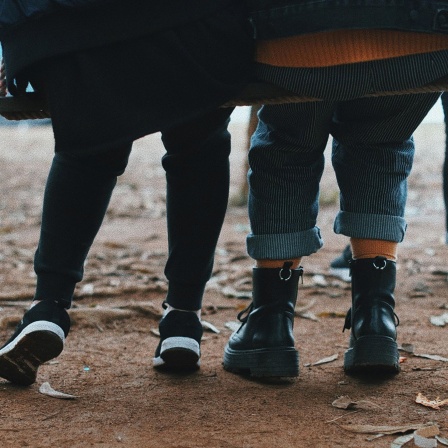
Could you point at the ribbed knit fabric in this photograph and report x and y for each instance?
(339, 66)
(346, 47)
(365, 248)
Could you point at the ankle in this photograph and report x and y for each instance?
(368, 248)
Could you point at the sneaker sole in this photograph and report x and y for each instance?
(273, 363)
(341, 273)
(178, 353)
(372, 354)
(39, 342)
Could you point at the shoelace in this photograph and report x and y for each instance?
(247, 310)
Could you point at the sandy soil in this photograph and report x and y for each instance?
(121, 401)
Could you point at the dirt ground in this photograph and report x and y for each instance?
(122, 401)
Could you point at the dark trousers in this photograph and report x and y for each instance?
(79, 188)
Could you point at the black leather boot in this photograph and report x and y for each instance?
(372, 320)
(264, 344)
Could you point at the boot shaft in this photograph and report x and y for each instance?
(371, 319)
(373, 281)
(269, 320)
(276, 285)
(373, 301)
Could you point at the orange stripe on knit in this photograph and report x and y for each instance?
(363, 248)
(346, 47)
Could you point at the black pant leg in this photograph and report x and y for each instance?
(197, 173)
(76, 197)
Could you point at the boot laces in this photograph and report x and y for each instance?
(242, 316)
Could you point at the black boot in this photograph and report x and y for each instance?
(264, 344)
(372, 320)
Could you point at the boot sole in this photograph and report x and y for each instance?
(36, 344)
(277, 362)
(178, 353)
(372, 354)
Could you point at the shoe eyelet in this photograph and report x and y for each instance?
(383, 266)
(285, 279)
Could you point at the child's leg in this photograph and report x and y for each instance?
(373, 154)
(76, 197)
(197, 173)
